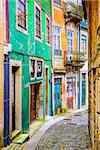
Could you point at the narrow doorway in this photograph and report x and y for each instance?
(33, 104)
(83, 89)
(46, 91)
(71, 92)
(58, 82)
(35, 101)
(14, 69)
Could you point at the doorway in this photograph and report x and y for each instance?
(83, 89)
(15, 95)
(46, 92)
(58, 82)
(14, 69)
(71, 92)
(35, 101)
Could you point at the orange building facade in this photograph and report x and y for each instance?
(59, 53)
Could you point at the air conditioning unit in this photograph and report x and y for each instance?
(70, 57)
(7, 48)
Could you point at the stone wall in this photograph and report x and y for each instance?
(94, 73)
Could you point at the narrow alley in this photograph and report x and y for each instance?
(70, 133)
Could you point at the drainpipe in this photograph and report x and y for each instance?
(52, 57)
(79, 74)
(6, 79)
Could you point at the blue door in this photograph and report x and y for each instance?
(83, 89)
(57, 94)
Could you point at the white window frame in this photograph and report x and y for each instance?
(72, 40)
(25, 31)
(85, 34)
(47, 17)
(38, 6)
(85, 39)
(36, 59)
(56, 38)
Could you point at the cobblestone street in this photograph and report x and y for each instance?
(68, 134)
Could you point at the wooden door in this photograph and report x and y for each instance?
(32, 104)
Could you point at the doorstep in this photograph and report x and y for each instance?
(34, 127)
(21, 138)
(15, 134)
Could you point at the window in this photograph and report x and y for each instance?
(70, 41)
(57, 41)
(47, 30)
(32, 68)
(39, 68)
(38, 23)
(22, 13)
(80, 2)
(58, 2)
(83, 43)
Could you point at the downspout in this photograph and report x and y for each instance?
(52, 56)
(6, 80)
(79, 75)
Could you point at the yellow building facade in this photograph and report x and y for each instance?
(94, 73)
(1, 71)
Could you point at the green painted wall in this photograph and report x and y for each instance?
(24, 46)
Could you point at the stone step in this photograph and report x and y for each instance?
(15, 134)
(21, 138)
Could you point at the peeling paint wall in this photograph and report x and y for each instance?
(59, 21)
(25, 46)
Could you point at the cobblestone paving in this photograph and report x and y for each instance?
(68, 134)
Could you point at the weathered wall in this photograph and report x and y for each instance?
(1, 72)
(59, 21)
(94, 73)
(25, 46)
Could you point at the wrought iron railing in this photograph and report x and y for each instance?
(73, 11)
(77, 60)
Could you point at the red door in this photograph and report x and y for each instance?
(32, 104)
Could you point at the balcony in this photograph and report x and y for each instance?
(73, 12)
(75, 61)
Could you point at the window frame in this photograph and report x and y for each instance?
(55, 41)
(48, 18)
(39, 8)
(35, 74)
(19, 27)
(71, 40)
(84, 41)
(34, 68)
(57, 2)
(37, 68)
